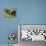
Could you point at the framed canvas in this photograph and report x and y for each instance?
(10, 12)
(32, 32)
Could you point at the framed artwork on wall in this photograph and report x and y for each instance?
(32, 32)
(10, 12)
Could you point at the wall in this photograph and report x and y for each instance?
(8, 25)
(28, 12)
(33, 12)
